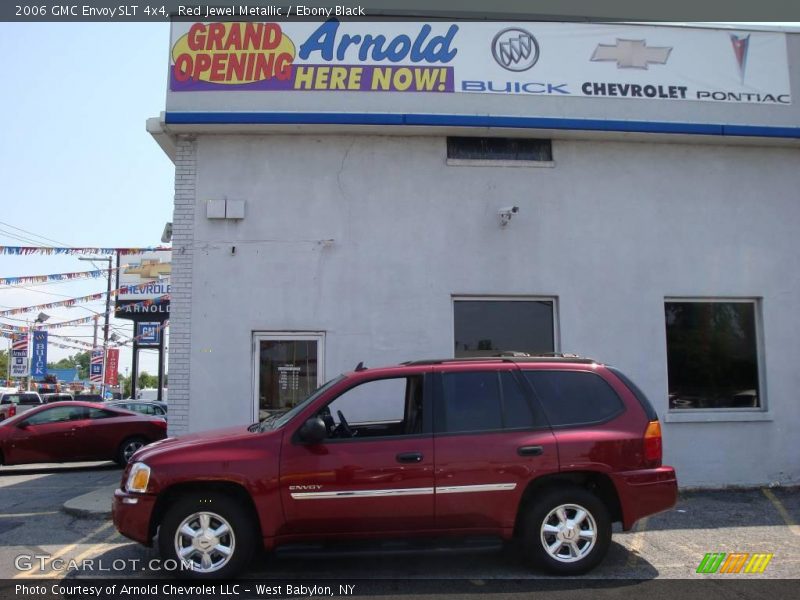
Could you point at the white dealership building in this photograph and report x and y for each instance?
(390, 191)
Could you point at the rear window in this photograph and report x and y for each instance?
(23, 399)
(571, 398)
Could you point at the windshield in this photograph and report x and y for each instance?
(277, 420)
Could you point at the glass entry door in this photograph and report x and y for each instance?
(288, 368)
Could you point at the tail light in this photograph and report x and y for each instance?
(12, 410)
(653, 448)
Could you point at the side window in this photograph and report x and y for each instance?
(574, 397)
(471, 402)
(58, 414)
(516, 407)
(381, 407)
(99, 413)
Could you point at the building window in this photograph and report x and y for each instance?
(712, 354)
(489, 327)
(288, 367)
(499, 149)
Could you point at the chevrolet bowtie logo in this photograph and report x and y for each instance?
(631, 54)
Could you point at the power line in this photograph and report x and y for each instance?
(33, 234)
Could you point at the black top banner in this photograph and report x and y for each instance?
(775, 12)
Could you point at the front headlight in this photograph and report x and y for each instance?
(138, 478)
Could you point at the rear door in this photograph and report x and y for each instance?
(490, 440)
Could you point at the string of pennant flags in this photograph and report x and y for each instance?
(51, 250)
(126, 289)
(89, 319)
(83, 345)
(25, 279)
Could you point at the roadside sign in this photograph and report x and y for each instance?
(19, 345)
(96, 366)
(148, 334)
(19, 366)
(112, 364)
(39, 354)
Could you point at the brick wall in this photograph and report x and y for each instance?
(180, 331)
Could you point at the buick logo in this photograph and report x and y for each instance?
(515, 49)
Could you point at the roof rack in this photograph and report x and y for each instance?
(517, 357)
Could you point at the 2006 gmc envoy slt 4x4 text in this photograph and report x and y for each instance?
(544, 451)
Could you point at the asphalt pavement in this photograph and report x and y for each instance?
(52, 512)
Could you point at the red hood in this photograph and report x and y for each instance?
(194, 441)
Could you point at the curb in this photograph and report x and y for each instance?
(94, 505)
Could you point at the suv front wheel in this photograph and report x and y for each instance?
(210, 535)
(566, 531)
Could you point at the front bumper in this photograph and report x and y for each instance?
(645, 492)
(132, 514)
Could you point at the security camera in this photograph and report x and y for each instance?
(506, 214)
(166, 237)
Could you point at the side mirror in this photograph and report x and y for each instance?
(22, 425)
(313, 431)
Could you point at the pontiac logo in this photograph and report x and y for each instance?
(515, 49)
(631, 54)
(740, 46)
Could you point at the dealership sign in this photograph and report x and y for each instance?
(144, 286)
(536, 59)
(39, 354)
(112, 367)
(96, 366)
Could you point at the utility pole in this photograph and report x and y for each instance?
(105, 329)
(109, 260)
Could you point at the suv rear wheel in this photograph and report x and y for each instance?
(566, 531)
(210, 533)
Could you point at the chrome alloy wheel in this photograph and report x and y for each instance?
(206, 540)
(568, 533)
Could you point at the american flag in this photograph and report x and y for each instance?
(19, 345)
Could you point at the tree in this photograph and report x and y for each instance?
(3, 364)
(146, 380)
(80, 361)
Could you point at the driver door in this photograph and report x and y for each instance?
(373, 474)
(48, 436)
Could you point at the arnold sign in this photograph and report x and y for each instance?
(578, 60)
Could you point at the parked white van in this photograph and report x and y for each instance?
(151, 394)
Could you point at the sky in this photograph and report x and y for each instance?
(77, 166)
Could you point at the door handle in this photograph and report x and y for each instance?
(409, 457)
(530, 450)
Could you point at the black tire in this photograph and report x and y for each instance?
(573, 550)
(124, 450)
(222, 509)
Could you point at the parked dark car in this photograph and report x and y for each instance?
(57, 397)
(154, 408)
(547, 451)
(76, 431)
(89, 397)
(15, 403)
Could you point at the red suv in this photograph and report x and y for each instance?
(546, 451)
